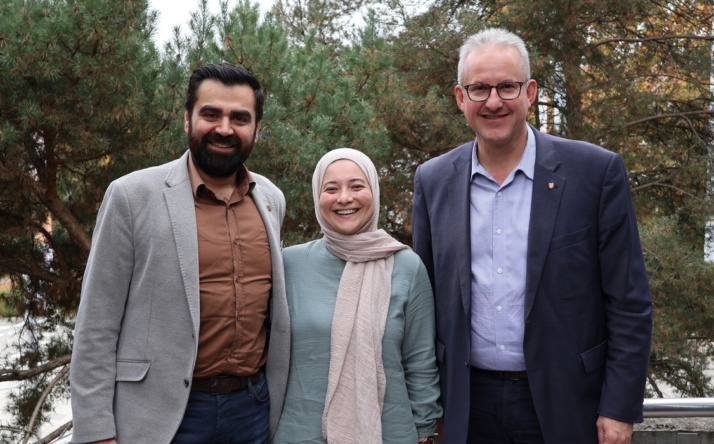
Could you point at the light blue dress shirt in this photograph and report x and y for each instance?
(500, 216)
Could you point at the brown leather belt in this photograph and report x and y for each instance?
(501, 374)
(222, 384)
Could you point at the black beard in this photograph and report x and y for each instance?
(214, 163)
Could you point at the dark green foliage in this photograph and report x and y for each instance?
(83, 101)
(682, 287)
(85, 97)
(80, 105)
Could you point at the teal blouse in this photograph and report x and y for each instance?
(411, 407)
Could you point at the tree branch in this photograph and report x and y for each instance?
(41, 401)
(661, 184)
(61, 430)
(20, 375)
(666, 116)
(649, 39)
(654, 385)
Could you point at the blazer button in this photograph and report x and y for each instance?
(186, 383)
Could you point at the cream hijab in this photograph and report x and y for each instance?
(356, 380)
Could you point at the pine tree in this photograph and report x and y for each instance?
(83, 100)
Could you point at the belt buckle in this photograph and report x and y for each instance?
(213, 385)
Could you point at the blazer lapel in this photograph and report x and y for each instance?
(548, 187)
(457, 217)
(180, 204)
(266, 208)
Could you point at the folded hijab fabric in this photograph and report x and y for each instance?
(356, 381)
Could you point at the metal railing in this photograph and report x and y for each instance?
(678, 407)
(653, 408)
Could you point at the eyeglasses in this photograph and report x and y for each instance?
(480, 92)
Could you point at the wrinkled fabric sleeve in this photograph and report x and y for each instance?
(627, 299)
(104, 293)
(419, 354)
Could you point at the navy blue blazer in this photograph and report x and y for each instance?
(588, 308)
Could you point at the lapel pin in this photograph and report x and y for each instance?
(551, 186)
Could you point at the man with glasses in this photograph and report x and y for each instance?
(543, 308)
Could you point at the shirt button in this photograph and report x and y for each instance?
(235, 241)
(186, 383)
(499, 308)
(498, 231)
(502, 348)
(237, 278)
(500, 270)
(499, 194)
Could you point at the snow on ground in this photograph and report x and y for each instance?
(10, 329)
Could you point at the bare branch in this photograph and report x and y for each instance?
(61, 430)
(41, 401)
(19, 375)
(657, 38)
(661, 184)
(666, 116)
(654, 385)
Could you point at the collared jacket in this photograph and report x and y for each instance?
(137, 328)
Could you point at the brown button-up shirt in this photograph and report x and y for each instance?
(235, 279)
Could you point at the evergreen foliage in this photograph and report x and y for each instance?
(86, 97)
(83, 100)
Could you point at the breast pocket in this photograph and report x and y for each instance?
(573, 264)
(569, 239)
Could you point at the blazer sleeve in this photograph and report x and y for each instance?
(628, 302)
(421, 228)
(418, 354)
(104, 293)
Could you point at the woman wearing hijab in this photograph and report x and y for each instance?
(362, 365)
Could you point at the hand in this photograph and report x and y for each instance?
(610, 431)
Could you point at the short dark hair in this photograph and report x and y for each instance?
(229, 75)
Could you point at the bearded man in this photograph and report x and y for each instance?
(183, 281)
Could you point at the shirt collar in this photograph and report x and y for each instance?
(526, 164)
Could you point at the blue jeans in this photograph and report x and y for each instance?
(238, 417)
(502, 412)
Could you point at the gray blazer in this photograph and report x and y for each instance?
(136, 334)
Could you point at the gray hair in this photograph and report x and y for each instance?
(493, 36)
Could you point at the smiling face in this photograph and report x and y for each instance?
(498, 123)
(222, 129)
(346, 201)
